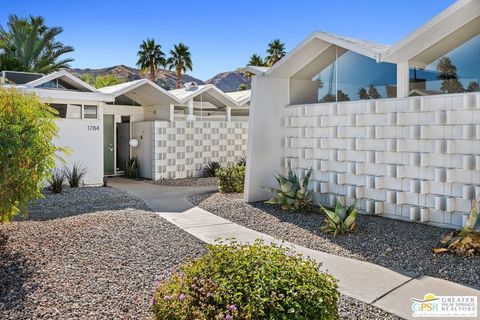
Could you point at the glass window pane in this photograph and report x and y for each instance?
(61, 109)
(74, 111)
(455, 72)
(90, 112)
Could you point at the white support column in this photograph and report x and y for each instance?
(402, 80)
(228, 114)
(190, 116)
(171, 116)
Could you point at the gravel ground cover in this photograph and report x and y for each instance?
(186, 182)
(99, 265)
(399, 245)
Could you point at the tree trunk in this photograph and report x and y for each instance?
(152, 72)
(179, 78)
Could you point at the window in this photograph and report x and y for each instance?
(455, 72)
(351, 76)
(61, 110)
(74, 111)
(90, 112)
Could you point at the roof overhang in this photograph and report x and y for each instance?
(452, 27)
(64, 76)
(184, 96)
(64, 95)
(144, 92)
(312, 49)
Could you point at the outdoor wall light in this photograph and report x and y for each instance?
(133, 143)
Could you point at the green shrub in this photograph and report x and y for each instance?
(231, 179)
(237, 281)
(56, 181)
(75, 175)
(292, 195)
(26, 151)
(242, 161)
(340, 221)
(132, 168)
(210, 169)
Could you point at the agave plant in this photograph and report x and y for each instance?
(464, 242)
(293, 194)
(340, 221)
(210, 169)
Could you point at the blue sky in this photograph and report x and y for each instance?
(221, 34)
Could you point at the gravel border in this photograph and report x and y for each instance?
(100, 265)
(186, 182)
(395, 244)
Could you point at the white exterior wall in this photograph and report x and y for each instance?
(84, 140)
(143, 132)
(264, 148)
(414, 158)
(181, 148)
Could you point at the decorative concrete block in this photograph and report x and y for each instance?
(370, 182)
(414, 213)
(468, 131)
(351, 169)
(391, 171)
(379, 182)
(414, 186)
(401, 197)
(415, 132)
(332, 110)
(370, 132)
(440, 146)
(351, 120)
(415, 104)
(324, 187)
(450, 204)
(391, 196)
(424, 187)
(371, 106)
(425, 215)
(332, 200)
(440, 175)
(351, 192)
(333, 178)
(392, 119)
(370, 157)
(379, 207)
(468, 101)
(370, 206)
(359, 192)
(440, 117)
(340, 178)
(439, 203)
(392, 145)
(415, 159)
(468, 162)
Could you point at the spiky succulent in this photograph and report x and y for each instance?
(340, 221)
(293, 194)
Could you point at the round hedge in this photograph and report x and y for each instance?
(238, 281)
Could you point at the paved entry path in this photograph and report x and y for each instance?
(385, 288)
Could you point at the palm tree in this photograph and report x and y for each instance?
(275, 51)
(29, 45)
(180, 60)
(448, 74)
(151, 56)
(256, 60)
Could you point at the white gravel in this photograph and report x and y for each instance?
(99, 265)
(395, 244)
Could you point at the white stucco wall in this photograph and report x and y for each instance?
(414, 158)
(265, 133)
(84, 139)
(143, 132)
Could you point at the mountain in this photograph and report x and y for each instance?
(226, 81)
(165, 78)
(230, 80)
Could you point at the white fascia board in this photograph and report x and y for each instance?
(142, 82)
(256, 70)
(448, 21)
(68, 95)
(59, 74)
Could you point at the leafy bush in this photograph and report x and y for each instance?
(132, 169)
(340, 221)
(242, 161)
(26, 154)
(75, 175)
(231, 179)
(293, 194)
(238, 281)
(210, 169)
(56, 181)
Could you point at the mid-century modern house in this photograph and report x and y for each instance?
(396, 128)
(104, 128)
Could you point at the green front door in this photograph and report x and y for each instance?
(108, 145)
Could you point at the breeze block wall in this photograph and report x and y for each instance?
(182, 148)
(416, 158)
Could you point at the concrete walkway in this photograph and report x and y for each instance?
(387, 289)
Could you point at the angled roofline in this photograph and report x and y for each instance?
(202, 89)
(367, 48)
(128, 86)
(401, 48)
(243, 101)
(58, 74)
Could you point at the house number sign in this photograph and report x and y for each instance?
(93, 128)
